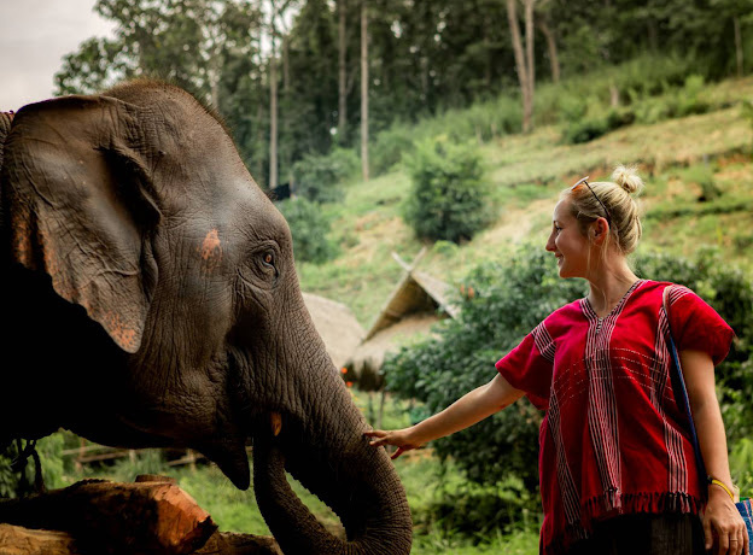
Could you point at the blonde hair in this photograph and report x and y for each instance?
(621, 208)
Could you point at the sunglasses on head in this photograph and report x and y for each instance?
(585, 181)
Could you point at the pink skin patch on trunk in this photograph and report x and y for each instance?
(211, 251)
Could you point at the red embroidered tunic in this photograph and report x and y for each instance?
(614, 440)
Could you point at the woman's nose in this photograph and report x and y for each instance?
(550, 244)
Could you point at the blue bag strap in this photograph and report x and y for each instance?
(679, 379)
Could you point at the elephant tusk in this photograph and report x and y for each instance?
(276, 423)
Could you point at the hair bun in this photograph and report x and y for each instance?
(627, 178)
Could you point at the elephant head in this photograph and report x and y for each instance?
(153, 301)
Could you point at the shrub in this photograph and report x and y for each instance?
(310, 229)
(318, 178)
(676, 102)
(450, 199)
(594, 125)
(390, 146)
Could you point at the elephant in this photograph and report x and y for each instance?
(151, 300)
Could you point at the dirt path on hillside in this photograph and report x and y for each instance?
(516, 225)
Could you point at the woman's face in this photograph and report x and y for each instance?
(571, 248)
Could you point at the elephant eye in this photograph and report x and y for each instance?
(268, 258)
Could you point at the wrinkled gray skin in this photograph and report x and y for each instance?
(152, 301)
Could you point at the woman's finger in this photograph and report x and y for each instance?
(707, 533)
(746, 543)
(379, 442)
(400, 451)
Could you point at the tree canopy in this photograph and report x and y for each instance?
(424, 57)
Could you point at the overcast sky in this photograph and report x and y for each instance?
(34, 37)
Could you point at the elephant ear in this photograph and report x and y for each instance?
(80, 207)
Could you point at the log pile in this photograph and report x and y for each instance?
(152, 516)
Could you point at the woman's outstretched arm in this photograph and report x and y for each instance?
(472, 407)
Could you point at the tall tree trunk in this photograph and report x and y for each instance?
(738, 46)
(364, 91)
(529, 49)
(259, 142)
(286, 64)
(287, 153)
(554, 61)
(342, 98)
(520, 62)
(273, 106)
(653, 35)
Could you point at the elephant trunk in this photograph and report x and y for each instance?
(376, 519)
(323, 447)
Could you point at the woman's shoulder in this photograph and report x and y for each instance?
(565, 313)
(674, 291)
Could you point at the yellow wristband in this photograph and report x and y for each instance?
(715, 482)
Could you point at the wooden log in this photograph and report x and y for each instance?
(15, 540)
(111, 518)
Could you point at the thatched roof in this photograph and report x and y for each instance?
(337, 325)
(418, 302)
(365, 363)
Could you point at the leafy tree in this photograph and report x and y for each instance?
(319, 178)
(450, 200)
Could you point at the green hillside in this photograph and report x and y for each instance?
(677, 157)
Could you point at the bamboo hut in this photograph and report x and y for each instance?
(417, 303)
(337, 326)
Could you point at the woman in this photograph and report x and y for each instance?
(617, 468)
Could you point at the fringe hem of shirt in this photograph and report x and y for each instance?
(612, 504)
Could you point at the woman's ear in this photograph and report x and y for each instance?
(599, 231)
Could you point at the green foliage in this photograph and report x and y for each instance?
(593, 126)
(675, 103)
(747, 112)
(741, 466)
(389, 147)
(310, 229)
(21, 483)
(318, 178)
(703, 176)
(587, 118)
(450, 199)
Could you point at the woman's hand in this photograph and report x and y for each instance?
(722, 521)
(466, 411)
(399, 438)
